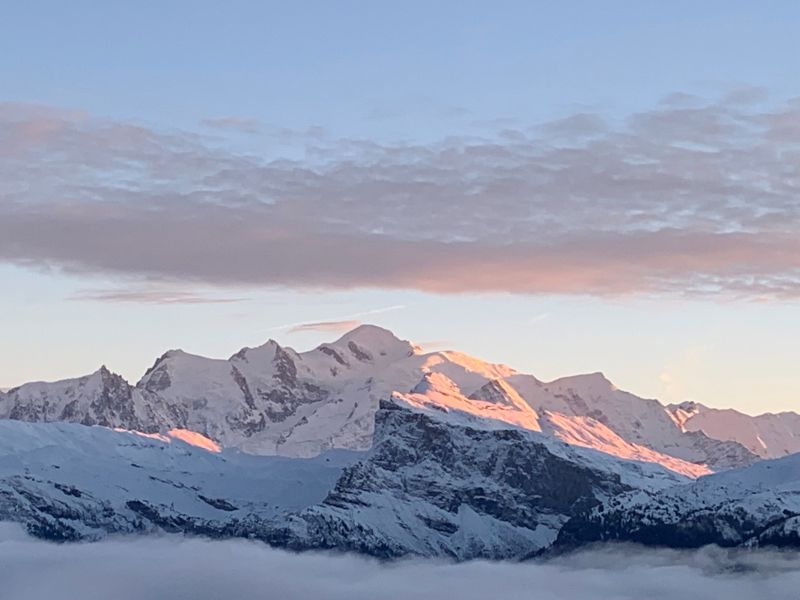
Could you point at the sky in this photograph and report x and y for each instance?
(563, 187)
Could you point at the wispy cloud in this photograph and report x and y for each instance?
(337, 324)
(692, 197)
(325, 327)
(152, 296)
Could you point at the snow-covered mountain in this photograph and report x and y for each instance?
(497, 401)
(433, 484)
(753, 506)
(438, 482)
(67, 481)
(370, 445)
(769, 435)
(456, 485)
(273, 400)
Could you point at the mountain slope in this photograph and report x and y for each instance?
(498, 402)
(768, 435)
(67, 481)
(753, 506)
(638, 421)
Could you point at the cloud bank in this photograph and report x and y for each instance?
(692, 197)
(191, 569)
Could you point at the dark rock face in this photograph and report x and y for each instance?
(241, 381)
(432, 482)
(359, 352)
(615, 524)
(157, 377)
(700, 528)
(334, 354)
(114, 405)
(288, 393)
(103, 398)
(275, 402)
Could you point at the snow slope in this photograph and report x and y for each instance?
(768, 435)
(70, 481)
(638, 421)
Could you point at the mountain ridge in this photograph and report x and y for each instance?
(271, 399)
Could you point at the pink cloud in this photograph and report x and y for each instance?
(325, 327)
(692, 198)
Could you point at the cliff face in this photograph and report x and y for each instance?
(431, 487)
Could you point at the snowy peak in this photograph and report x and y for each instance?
(102, 398)
(178, 366)
(265, 351)
(372, 344)
(371, 336)
(436, 383)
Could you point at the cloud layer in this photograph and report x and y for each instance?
(692, 197)
(177, 569)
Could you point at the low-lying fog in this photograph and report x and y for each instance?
(178, 568)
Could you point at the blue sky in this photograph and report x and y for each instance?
(360, 93)
(381, 68)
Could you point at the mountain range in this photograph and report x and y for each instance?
(369, 444)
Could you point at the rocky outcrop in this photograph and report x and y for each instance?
(432, 488)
